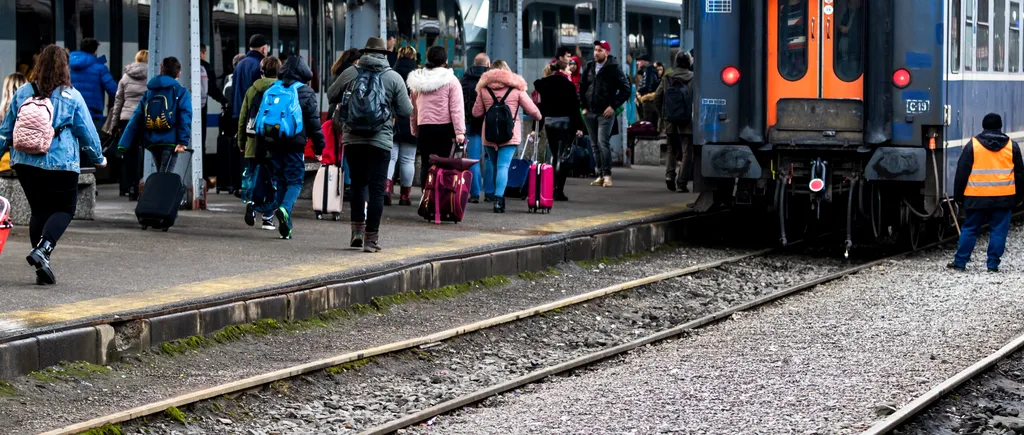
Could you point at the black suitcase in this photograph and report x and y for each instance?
(229, 157)
(162, 196)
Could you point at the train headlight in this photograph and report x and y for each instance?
(730, 75)
(901, 78)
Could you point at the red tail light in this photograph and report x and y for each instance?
(901, 78)
(730, 75)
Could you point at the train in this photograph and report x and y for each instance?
(809, 120)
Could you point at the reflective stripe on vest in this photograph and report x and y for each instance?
(992, 173)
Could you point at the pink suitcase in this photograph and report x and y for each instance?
(5, 222)
(540, 196)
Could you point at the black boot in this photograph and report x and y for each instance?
(499, 204)
(356, 241)
(40, 259)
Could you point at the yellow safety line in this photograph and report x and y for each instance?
(220, 286)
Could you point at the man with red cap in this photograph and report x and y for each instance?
(603, 89)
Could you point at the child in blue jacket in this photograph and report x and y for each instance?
(164, 117)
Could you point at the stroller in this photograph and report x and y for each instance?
(5, 222)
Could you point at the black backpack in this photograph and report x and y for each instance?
(678, 101)
(365, 107)
(499, 121)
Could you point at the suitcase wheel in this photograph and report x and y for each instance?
(337, 216)
(319, 216)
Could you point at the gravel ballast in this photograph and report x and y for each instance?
(393, 386)
(831, 360)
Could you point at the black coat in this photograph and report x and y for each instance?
(469, 80)
(609, 88)
(403, 132)
(649, 80)
(558, 98)
(296, 70)
(993, 140)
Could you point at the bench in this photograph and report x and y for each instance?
(10, 188)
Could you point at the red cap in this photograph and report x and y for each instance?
(604, 44)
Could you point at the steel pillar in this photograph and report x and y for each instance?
(505, 33)
(611, 16)
(365, 19)
(166, 18)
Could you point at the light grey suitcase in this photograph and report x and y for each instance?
(328, 189)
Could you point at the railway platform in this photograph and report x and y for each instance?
(121, 289)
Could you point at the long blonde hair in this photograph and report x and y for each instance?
(11, 85)
(500, 64)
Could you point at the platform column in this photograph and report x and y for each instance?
(365, 19)
(166, 20)
(505, 32)
(611, 15)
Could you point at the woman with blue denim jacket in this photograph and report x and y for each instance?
(50, 180)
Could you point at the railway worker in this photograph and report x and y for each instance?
(248, 70)
(475, 125)
(989, 183)
(604, 88)
(677, 163)
(370, 151)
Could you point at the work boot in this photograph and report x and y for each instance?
(40, 259)
(371, 242)
(404, 199)
(357, 235)
(388, 190)
(598, 182)
(499, 204)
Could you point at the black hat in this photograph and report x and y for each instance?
(257, 41)
(992, 121)
(644, 57)
(375, 45)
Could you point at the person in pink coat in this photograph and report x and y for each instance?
(438, 111)
(497, 81)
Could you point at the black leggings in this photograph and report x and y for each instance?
(368, 167)
(433, 139)
(53, 198)
(559, 139)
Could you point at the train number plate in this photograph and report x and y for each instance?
(918, 106)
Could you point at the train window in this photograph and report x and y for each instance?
(550, 33)
(225, 29)
(998, 36)
(259, 18)
(982, 26)
(31, 39)
(287, 32)
(793, 39)
(526, 29)
(954, 37)
(849, 36)
(1014, 36)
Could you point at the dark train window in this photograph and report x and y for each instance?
(954, 37)
(1014, 36)
(550, 33)
(225, 30)
(31, 39)
(969, 36)
(586, 18)
(848, 61)
(793, 39)
(287, 32)
(526, 29)
(982, 51)
(259, 18)
(999, 36)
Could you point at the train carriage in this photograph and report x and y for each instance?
(837, 111)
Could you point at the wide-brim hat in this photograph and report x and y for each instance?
(375, 45)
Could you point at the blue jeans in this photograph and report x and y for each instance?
(999, 224)
(474, 150)
(254, 184)
(600, 129)
(344, 166)
(289, 173)
(498, 176)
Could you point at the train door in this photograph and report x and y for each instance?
(815, 51)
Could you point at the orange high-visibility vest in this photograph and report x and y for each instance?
(992, 172)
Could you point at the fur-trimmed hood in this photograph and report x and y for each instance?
(428, 80)
(499, 78)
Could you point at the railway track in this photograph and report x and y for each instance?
(508, 385)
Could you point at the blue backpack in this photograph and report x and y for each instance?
(280, 115)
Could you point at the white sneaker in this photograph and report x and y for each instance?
(268, 224)
(598, 182)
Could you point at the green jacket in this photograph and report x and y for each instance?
(397, 94)
(246, 143)
(669, 127)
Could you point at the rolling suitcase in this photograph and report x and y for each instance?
(5, 222)
(541, 188)
(446, 193)
(329, 184)
(518, 173)
(162, 195)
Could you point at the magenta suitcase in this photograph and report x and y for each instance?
(540, 196)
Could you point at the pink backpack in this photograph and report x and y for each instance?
(33, 130)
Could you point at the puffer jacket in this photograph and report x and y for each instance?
(246, 143)
(79, 132)
(609, 88)
(397, 95)
(499, 81)
(90, 75)
(295, 71)
(179, 134)
(992, 140)
(436, 99)
(558, 99)
(669, 127)
(129, 91)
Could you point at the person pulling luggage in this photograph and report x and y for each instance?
(164, 118)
